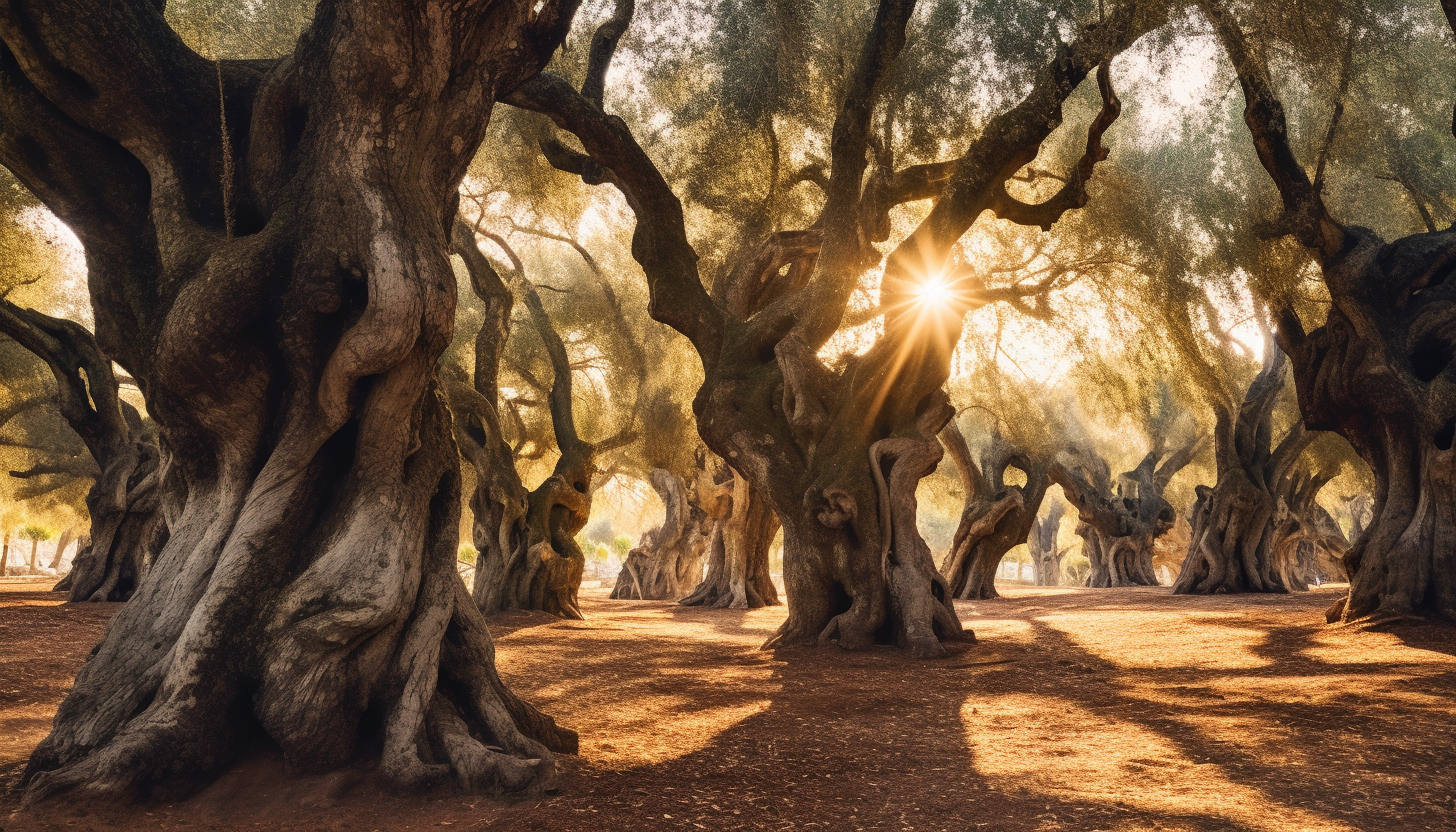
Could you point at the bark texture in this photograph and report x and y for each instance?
(743, 530)
(1118, 521)
(837, 451)
(280, 289)
(1046, 553)
(1378, 370)
(1258, 529)
(668, 561)
(996, 517)
(528, 555)
(128, 528)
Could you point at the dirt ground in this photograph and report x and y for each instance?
(1079, 709)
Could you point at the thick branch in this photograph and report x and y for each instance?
(659, 242)
(1264, 114)
(88, 393)
(1073, 194)
(1009, 142)
(603, 46)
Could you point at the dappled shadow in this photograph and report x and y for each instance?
(1305, 725)
(1031, 731)
(841, 741)
(1435, 636)
(1077, 711)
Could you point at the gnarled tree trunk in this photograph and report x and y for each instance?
(127, 527)
(996, 517)
(1249, 529)
(1378, 371)
(281, 292)
(743, 530)
(528, 555)
(1046, 554)
(668, 561)
(837, 451)
(1118, 523)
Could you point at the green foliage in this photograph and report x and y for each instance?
(1075, 569)
(467, 554)
(39, 534)
(621, 545)
(229, 29)
(598, 531)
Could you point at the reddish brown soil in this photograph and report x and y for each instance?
(1083, 710)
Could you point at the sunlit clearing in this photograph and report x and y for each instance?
(1053, 749)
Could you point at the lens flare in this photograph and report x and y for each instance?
(933, 292)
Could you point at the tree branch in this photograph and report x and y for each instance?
(603, 46)
(1073, 194)
(659, 242)
(88, 394)
(1309, 219)
(1009, 142)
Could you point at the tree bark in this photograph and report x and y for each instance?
(127, 527)
(1046, 554)
(837, 451)
(528, 555)
(996, 517)
(668, 562)
(280, 290)
(1119, 523)
(743, 530)
(1250, 528)
(1378, 371)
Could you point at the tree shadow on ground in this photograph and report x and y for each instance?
(1096, 710)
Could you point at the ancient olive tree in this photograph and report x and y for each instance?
(668, 561)
(128, 527)
(1046, 552)
(1249, 528)
(996, 517)
(1377, 370)
(1118, 519)
(744, 527)
(837, 448)
(528, 554)
(277, 281)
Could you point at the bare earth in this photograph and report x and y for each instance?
(1083, 710)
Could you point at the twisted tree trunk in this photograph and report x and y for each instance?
(668, 561)
(280, 290)
(837, 452)
(127, 528)
(1234, 522)
(1378, 371)
(1119, 523)
(528, 555)
(742, 533)
(1249, 529)
(1046, 555)
(996, 518)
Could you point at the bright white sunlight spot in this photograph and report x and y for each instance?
(933, 291)
(835, 415)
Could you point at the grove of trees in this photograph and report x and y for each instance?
(832, 304)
